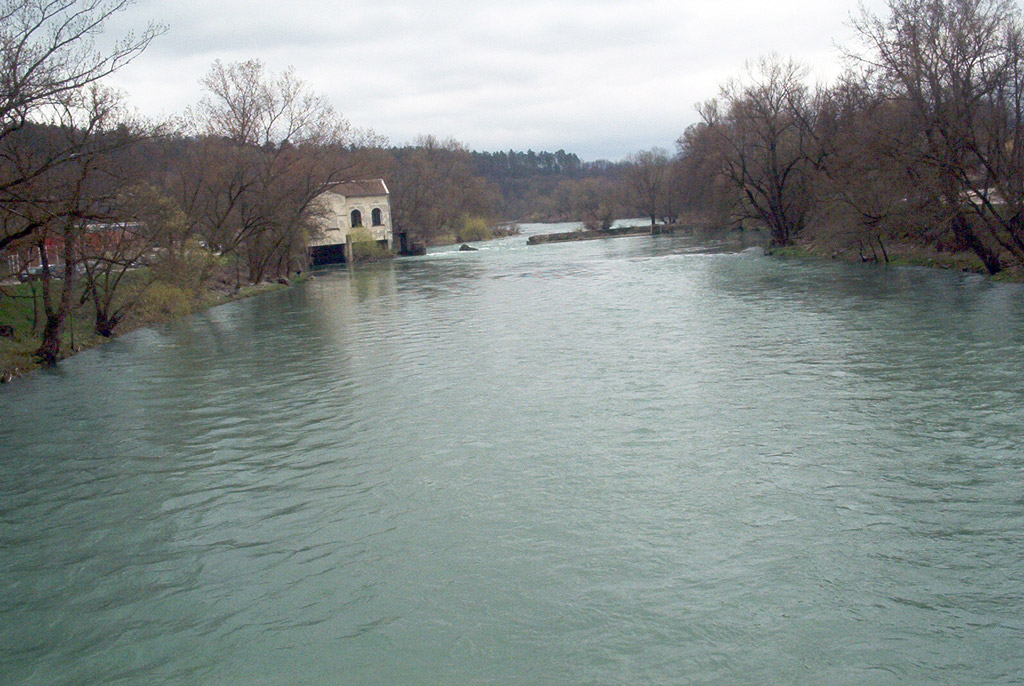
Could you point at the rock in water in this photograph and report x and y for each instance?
(465, 247)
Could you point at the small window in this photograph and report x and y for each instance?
(378, 217)
(357, 218)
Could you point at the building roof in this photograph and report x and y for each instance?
(361, 189)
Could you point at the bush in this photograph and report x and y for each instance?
(365, 248)
(474, 229)
(188, 269)
(163, 300)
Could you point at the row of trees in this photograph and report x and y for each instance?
(437, 184)
(53, 178)
(920, 141)
(92, 191)
(918, 144)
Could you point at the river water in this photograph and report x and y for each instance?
(644, 460)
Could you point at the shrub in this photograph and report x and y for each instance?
(474, 229)
(163, 300)
(189, 269)
(365, 248)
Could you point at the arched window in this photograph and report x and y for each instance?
(377, 216)
(357, 218)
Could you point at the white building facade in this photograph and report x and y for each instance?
(350, 206)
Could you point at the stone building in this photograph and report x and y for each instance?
(346, 206)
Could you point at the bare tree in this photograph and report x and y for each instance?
(71, 198)
(142, 218)
(956, 65)
(48, 56)
(761, 136)
(269, 146)
(703, 189)
(594, 203)
(867, 193)
(647, 182)
(435, 186)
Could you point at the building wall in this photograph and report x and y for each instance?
(336, 223)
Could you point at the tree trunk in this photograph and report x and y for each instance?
(105, 324)
(49, 350)
(966, 236)
(885, 253)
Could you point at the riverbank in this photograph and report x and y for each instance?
(895, 254)
(21, 311)
(900, 255)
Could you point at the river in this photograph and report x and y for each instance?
(635, 461)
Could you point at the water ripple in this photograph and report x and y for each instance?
(636, 461)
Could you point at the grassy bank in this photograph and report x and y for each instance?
(21, 308)
(900, 255)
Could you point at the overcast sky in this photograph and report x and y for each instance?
(601, 78)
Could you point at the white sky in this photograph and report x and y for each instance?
(601, 78)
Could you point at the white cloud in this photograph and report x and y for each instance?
(602, 78)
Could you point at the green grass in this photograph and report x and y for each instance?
(21, 308)
(907, 255)
(960, 261)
